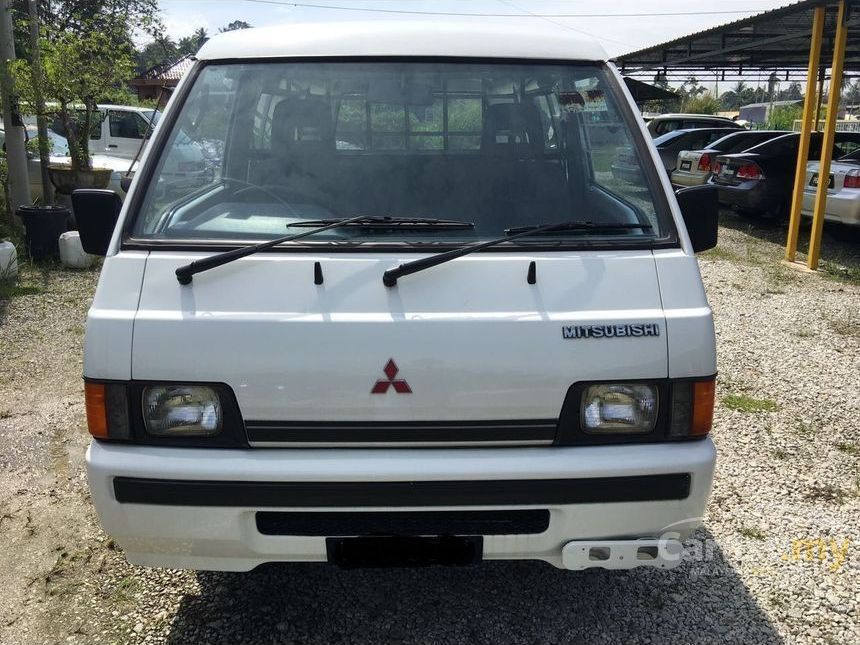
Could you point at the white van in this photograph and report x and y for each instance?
(413, 318)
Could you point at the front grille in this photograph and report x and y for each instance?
(412, 523)
(535, 432)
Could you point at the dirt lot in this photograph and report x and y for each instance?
(787, 431)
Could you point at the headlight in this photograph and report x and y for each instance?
(619, 408)
(181, 411)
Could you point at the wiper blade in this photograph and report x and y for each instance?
(389, 278)
(578, 226)
(383, 222)
(186, 273)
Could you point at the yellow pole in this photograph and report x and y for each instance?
(828, 139)
(809, 112)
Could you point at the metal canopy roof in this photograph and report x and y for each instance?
(776, 40)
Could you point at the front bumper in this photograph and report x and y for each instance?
(842, 207)
(220, 532)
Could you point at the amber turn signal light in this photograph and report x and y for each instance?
(703, 407)
(96, 404)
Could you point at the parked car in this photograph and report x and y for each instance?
(664, 123)
(626, 166)
(843, 193)
(59, 154)
(119, 130)
(693, 167)
(365, 385)
(188, 163)
(759, 181)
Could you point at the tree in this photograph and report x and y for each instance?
(87, 56)
(689, 90)
(705, 103)
(792, 93)
(782, 117)
(190, 45)
(78, 74)
(235, 25)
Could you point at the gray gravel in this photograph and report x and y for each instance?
(789, 347)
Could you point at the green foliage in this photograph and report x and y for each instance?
(705, 103)
(80, 70)
(87, 52)
(745, 403)
(782, 117)
(235, 25)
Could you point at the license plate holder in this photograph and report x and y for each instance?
(686, 165)
(404, 551)
(814, 181)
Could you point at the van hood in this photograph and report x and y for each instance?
(467, 340)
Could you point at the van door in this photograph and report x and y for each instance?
(126, 130)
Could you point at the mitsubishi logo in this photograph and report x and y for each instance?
(382, 385)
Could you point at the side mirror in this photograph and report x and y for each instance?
(96, 212)
(125, 182)
(700, 209)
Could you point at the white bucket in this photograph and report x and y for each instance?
(8, 261)
(72, 253)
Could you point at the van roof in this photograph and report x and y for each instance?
(487, 38)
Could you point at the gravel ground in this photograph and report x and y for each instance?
(789, 447)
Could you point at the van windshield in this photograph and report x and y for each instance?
(501, 146)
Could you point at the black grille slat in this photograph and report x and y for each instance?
(401, 431)
(412, 523)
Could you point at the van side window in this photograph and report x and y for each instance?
(127, 125)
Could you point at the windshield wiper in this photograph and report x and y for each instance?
(389, 278)
(186, 273)
(388, 221)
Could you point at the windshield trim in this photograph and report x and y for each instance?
(168, 120)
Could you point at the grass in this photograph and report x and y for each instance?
(848, 448)
(827, 493)
(721, 253)
(805, 429)
(126, 589)
(752, 533)
(841, 273)
(744, 403)
(845, 327)
(9, 291)
(805, 333)
(601, 160)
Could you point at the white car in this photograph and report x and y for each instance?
(843, 191)
(456, 338)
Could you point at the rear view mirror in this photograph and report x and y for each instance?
(96, 212)
(700, 209)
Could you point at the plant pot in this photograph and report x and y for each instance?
(43, 226)
(66, 180)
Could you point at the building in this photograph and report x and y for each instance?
(157, 83)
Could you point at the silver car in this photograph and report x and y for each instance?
(843, 192)
(666, 123)
(694, 167)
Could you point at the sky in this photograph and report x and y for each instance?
(618, 33)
